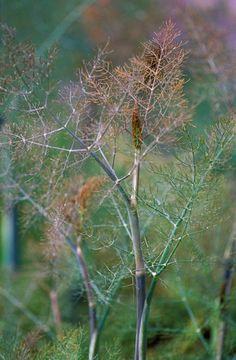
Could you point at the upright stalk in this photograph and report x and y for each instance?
(140, 274)
(93, 343)
(229, 257)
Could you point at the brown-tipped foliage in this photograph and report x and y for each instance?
(69, 211)
(89, 100)
(104, 98)
(95, 79)
(87, 191)
(154, 80)
(79, 198)
(159, 54)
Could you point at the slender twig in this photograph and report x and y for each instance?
(191, 313)
(84, 272)
(43, 213)
(93, 344)
(122, 220)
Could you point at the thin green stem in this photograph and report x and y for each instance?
(170, 250)
(229, 258)
(93, 344)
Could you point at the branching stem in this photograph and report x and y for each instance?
(140, 273)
